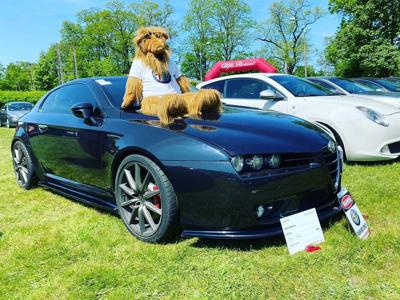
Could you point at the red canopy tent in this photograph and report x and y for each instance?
(241, 65)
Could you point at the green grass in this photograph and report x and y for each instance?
(55, 248)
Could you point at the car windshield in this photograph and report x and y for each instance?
(300, 87)
(390, 85)
(114, 88)
(351, 86)
(20, 106)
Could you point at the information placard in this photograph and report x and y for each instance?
(302, 229)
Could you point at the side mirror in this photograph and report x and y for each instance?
(269, 95)
(83, 110)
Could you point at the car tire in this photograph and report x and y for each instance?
(23, 166)
(146, 200)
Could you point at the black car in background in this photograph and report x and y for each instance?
(12, 111)
(232, 175)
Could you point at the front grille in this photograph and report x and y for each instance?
(394, 147)
(331, 161)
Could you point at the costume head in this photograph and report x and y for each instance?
(151, 47)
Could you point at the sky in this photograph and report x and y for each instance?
(28, 27)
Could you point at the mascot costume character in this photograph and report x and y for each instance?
(156, 83)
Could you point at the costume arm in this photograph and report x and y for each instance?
(133, 92)
(184, 84)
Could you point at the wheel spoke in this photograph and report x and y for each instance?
(17, 155)
(24, 162)
(132, 218)
(153, 208)
(149, 219)
(129, 202)
(151, 194)
(142, 226)
(130, 179)
(127, 190)
(145, 182)
(138, 177)
(24, 173)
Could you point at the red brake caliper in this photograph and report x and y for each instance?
(156, 199)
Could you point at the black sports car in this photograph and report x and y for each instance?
(228, 176)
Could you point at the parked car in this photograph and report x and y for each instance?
(380, 84)
(12, 111)
(350, 87)
(228, 176)
(368, 130)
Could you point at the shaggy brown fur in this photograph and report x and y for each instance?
(133, 92)
(184, 84)
(205, 101)
(167, 107)
(152, 49)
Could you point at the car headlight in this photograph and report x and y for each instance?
(256, 162)
(238, 163)
(374, 116)
(273, 161)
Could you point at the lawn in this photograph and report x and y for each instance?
(54, 248)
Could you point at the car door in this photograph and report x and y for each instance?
(70, 150)
(246, 92)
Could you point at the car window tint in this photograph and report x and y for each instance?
(61, 100)
(324, 84)
(218, 85)
(246, 88)
(374, 86)
(351, 86)
(300, 87)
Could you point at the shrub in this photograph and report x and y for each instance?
(29, 96)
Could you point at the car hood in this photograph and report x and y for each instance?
(243, 131)
(353, 101)
(17, 113)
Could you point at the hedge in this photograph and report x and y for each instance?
(29, 96)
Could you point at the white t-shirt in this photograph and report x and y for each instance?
(152, 84)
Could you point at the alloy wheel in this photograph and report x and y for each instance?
(140, 199)
(20, 165)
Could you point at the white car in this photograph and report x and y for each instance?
(367, 130)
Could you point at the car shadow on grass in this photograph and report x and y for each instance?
(257, 244)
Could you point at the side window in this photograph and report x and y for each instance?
(246, 88)
(325, 85)
(218, 85)
(61, 100)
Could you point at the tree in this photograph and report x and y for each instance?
(217, 30)
(233, 24)
(197, 58)
(18, 76)
(45, 70)
(366, 44)
(285, 31)
(151, 13)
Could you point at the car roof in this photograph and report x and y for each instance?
(244, 75)
(15, 102)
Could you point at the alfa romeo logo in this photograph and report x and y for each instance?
(332, 146)
(355, 217)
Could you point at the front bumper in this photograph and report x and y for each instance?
(373, 142)
(215, 202)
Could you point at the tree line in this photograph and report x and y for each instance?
(99, 41)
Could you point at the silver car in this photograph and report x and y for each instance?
(12, 111)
